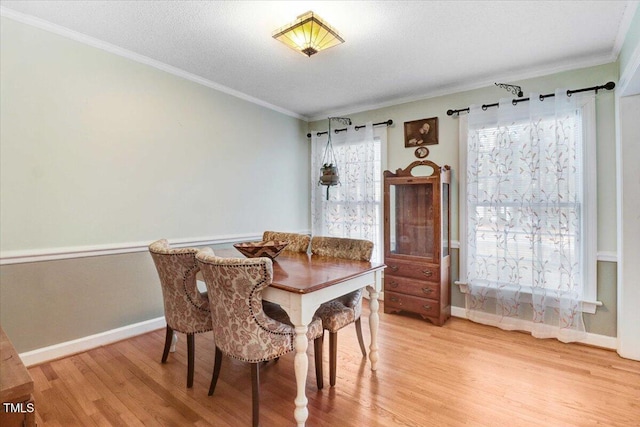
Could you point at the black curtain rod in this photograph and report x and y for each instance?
(607, 86)
(388, 123)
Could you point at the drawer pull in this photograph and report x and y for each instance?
(393, 267)
(427, 290)
(427, 273)
(426, 307)
(395, 299)
(394, 284)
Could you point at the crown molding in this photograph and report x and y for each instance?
(447, 90)
(108, 47)
(625, 25)
(478, 84)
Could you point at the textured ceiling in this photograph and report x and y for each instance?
(394, 50)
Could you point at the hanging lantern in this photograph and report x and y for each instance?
(329, 175)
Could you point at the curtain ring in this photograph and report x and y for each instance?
(484, 107)
(541, 97)
(514, 102)
(568, 93)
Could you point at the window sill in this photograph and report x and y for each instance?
(587, 306)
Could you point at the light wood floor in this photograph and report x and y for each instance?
(459, 374)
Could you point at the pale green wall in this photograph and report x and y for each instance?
(46, 303)
(99, 149)
(446, 152)
(50, 302)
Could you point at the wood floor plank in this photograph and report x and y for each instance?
(130, 392)
(111, 402)
(460, 374)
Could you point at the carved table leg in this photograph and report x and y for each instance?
(301, 364)
(374, 319)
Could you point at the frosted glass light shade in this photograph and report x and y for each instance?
(309, 34)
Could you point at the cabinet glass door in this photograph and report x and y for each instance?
(412, 225)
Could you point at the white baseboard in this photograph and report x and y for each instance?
(56, 351)
(458, 312)
(595, 340)
(69, 348)
(603, 341)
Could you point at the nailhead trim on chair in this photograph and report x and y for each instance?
(185, 252)
(253, 291)
(186, 292)
(184, 286)
(292, 335)
(183, 302)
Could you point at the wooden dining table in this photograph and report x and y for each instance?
(302, 282)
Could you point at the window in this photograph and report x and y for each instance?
(528, 213)
(354, 207)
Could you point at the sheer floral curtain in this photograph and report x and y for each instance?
(525, 229)
(354, 207)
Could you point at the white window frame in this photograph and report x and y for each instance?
(590, 209)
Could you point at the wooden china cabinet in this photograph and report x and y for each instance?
(417, 241)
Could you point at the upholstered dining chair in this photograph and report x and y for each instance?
(186, 309)
(342, 311)
(297, 242)
(241, 328)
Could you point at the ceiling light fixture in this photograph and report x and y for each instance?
(308, 34)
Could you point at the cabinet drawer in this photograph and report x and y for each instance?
(430, 272)
(415, 287)
(423, 306)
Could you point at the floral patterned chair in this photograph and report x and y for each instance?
(297, 242)
(241, 328)
(186, 309)
(338, 313)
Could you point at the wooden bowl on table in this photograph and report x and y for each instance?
(264, 248)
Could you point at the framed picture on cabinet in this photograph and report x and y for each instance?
(421, 132)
